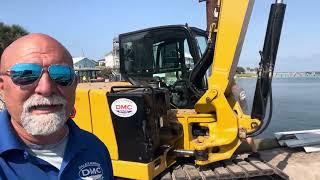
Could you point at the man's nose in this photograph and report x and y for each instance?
(45, 87)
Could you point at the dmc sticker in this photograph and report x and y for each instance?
(124, 107)
(90, 170)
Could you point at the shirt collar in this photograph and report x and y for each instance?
(75, 145)
(8, 138)
(76, 136)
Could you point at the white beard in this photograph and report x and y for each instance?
(43, 124)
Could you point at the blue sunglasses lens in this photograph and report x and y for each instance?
(61, 74)
(24, 74)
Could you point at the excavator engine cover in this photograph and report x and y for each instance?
(136, 119)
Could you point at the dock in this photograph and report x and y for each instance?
(295, 162)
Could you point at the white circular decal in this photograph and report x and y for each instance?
(124, 107)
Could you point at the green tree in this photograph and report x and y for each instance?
(240, 70)
(106, 73)
(8, 34)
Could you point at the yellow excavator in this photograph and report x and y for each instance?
(175, 117)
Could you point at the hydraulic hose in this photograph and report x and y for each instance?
(204, 63)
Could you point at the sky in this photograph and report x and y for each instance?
(88, 27)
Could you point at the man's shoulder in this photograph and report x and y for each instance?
(4, 114)
(90, 140)
(94, 158)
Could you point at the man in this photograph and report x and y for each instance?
(38, 139)
(240, 96)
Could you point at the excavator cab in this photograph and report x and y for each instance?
(164, 57)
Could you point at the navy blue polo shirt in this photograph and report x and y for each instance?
(85, 157)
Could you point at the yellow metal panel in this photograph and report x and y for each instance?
(102, 85)
(135, 170)
(186, 120)
(225, 152)
(232, 25)
(82, 106)
(244, 120)
(233, 22)
(102, 122)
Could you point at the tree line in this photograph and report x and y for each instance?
(242, 70)
(9, 33)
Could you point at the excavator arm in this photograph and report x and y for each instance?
(229, 125)
(221, 139)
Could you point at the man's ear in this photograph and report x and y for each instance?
(1, 83)
(76, 81)
(2, 103)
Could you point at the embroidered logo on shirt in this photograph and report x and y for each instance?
(90, 170)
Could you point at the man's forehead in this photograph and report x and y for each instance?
(38, 45)
(34, 45)
(38, 50)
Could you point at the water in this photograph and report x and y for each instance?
(296, 103)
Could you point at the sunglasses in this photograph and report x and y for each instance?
(28, 73)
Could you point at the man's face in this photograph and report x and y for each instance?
(36, 106)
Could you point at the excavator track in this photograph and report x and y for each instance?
(248, 168)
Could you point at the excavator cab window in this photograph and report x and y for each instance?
(168, 55)
(165, 55)
(172, 61)
(201, 43)
(154, 51)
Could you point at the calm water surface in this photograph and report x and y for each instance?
(296, 103)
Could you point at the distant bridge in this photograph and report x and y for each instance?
(314, 74)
